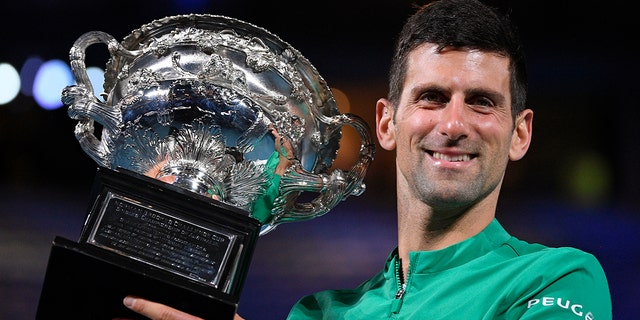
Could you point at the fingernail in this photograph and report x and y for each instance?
(129, 301)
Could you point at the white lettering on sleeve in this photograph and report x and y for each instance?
(575, 310)
(566, 305)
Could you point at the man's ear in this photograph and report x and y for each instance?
(521, 138)
(385, 128)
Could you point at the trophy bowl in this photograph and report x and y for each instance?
(222, 108)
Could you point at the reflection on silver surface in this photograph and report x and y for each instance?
(204, 102)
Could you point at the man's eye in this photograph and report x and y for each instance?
(433, 97)
(481, 102)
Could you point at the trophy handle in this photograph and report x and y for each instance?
(332, 188)
(83, 105)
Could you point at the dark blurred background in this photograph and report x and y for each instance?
(578, 186)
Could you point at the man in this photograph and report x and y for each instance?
(455, 116)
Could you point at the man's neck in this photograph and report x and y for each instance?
(423, 229)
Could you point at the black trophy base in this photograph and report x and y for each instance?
(80, 284)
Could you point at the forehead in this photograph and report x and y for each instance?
(454, 66)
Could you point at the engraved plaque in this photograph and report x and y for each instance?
(147, 234)
(148, 238)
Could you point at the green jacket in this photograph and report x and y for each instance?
(489, 276)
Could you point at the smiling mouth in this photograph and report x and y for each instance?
(452, 158)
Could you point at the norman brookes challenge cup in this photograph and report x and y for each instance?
(209, 133)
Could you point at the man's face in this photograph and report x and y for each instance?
(453, 129)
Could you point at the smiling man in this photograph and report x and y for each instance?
(456, 116)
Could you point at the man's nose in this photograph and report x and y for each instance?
(453, 122)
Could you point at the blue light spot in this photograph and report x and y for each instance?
(51, 78)
(96, 76)
(28, 74)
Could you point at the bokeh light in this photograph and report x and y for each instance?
(51, 78)
(96, 76)
(9, 83)
(28, 74)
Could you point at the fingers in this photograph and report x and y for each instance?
(155, 311)
(275, 133)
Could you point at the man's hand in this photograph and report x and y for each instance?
(157, 311)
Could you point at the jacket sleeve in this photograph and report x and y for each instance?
(575, 288)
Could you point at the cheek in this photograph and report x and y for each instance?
(408, 136)
(492, 129)
(402, 144)
(419, 122)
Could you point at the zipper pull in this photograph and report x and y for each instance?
(396, 304)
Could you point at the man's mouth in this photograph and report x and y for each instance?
(452, 158)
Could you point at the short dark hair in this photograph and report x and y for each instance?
(467, 24)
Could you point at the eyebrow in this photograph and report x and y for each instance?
(422, 87)
(494, 95)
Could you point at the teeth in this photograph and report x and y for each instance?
(444, 157)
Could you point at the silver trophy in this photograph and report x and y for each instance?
(217, 113)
